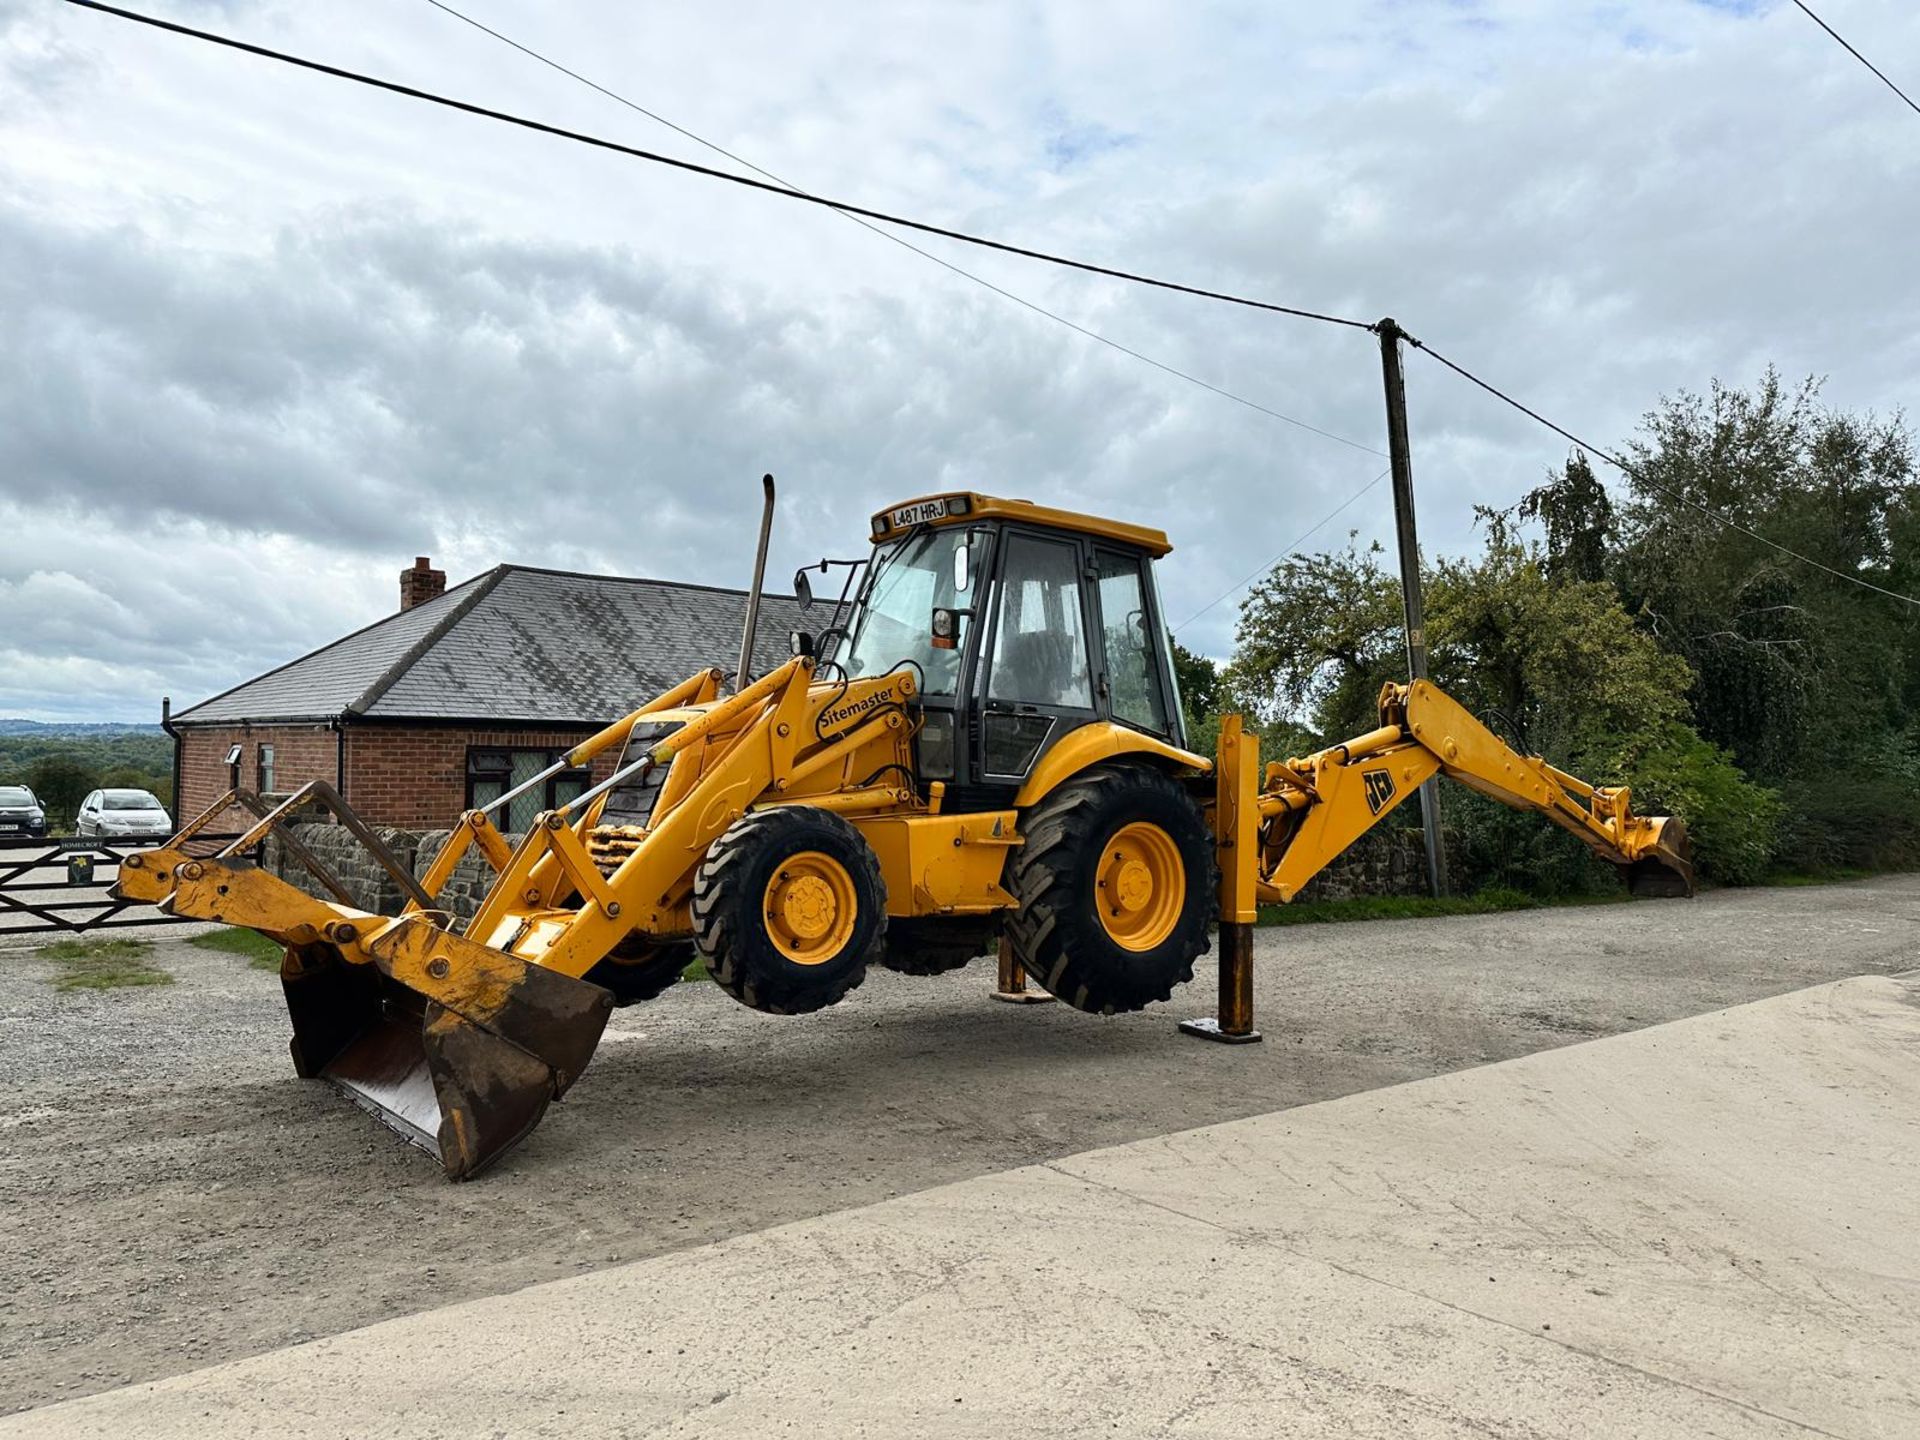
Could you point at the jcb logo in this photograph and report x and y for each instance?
(1379, 789)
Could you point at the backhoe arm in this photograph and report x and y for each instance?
(1310, 810)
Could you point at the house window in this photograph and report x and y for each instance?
(492, 772)
(266, 785)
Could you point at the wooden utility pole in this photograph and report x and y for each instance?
(1400, 453)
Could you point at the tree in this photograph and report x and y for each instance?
(61, 784)
(1563, 663)
(1577, 514)
(1201, 697)
(1316, 640)
(1199, 682)
(1794, 667)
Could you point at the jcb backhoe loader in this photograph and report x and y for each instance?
(990, 744)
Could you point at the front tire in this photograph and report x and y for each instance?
(637, 971)
(788, 907)
(1116, 887)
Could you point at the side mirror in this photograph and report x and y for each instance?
(803, 589)
(961, 560)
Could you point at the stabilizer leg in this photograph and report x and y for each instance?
(1013, 979)
(1234, 1024)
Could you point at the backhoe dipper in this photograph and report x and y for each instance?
(988, 747)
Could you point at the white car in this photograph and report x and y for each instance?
(123, 815)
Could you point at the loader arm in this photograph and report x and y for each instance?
(1308, 811)
(459, 1040)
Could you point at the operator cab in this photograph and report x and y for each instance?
(1022, 622)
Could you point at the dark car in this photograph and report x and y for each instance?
(21, 813)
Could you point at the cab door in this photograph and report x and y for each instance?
(1036, 677)
(1134, 686)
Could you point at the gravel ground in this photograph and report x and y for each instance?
(171, 1196)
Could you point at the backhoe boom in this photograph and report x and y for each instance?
(1310, 810)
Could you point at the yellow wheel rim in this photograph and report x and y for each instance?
(810, 907)
(1140, 886)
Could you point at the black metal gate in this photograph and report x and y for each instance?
(60, 886)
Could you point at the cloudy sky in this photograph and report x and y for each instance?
(268, 336)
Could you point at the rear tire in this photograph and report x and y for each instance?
(1116, 887)
(788, 907)
(935, 944)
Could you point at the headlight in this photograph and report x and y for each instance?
(34, 817)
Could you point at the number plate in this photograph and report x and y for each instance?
(8, 829)
(918, 513)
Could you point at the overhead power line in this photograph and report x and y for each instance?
(1635, 473)
(787, 192)
(689, 166)
(1858, 56)
(1305, 536)
(899, 240)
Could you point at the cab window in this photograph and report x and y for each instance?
(1039, 642)
(1126, 626)
(892, 623)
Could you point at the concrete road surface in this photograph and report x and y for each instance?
(1706, 1228)
(171, 1197)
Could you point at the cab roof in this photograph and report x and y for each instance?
(956, 507)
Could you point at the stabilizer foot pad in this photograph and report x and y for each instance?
(1210, 1029)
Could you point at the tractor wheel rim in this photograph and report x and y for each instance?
(810, 908)
(1140, 886)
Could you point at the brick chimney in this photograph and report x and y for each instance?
(421, 584)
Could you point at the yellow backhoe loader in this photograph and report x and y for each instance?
(986, 745)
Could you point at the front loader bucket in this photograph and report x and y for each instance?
(463, 1087)
(1664, 872)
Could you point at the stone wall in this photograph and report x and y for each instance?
(471, 878)
(371, 887)
(334, 847)
(1391, 860)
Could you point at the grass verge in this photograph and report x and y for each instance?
(103, 964)
(1417, 907)
(260, 952)
(1819, 877)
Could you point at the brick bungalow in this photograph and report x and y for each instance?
(466, 692)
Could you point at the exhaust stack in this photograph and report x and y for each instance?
(743, 677)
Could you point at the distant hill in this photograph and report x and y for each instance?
(73, 729)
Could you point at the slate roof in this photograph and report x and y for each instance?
(517, 644)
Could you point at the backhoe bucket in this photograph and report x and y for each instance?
(463, 1087)
(1664, 872)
